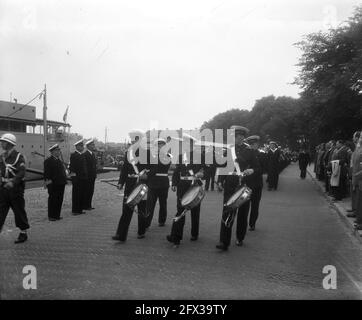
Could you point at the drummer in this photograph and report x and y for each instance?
(186, 173)
(129, 180)
(158, 182)
(244, 162)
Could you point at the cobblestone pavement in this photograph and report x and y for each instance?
(297, 235)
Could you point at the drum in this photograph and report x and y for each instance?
(238, 198)
(193, 197)
(138, 194)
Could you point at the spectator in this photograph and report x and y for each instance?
(304, 160)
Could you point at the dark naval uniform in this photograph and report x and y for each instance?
(128, 179)
(246, 159)
(255, 182)
(181, 179)
(78, 172)
(12, 168)
(54, 171)
(273, 168)
(158, 186)
(91, 163)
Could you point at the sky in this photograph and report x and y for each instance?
(141, 64)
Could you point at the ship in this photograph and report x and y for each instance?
(20, 120)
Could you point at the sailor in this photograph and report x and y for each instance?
(273, 165)
(12, 169)
(189, 171)
(91, 163)
(158, 182)
(255, 181)
(133, 172)
(246, 163)
(79, 176)
(55, 177)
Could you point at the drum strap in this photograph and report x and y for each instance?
(236, 164)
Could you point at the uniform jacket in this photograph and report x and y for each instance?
(303, 159)
(12, 166)
(156, 166)
(91, 163)
(54, 170)
(273, 160)
(78, 165)
(127, 171)
(246, 159)
(184, 166)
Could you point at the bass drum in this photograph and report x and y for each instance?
(138, 194)
(193, 197)
(239, 198)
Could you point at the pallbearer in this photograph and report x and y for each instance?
(12, 185)
(245, 163)
(158, 182)
(55, 177)
(79, 176)
(255, 181)
(91, 163)
(189, 170)
(129, 178)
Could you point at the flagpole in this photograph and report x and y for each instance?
(45, 125)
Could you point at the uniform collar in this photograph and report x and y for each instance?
(9, 152)
(89, 151)
(78, 152)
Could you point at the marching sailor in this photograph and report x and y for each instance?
(132, 172)
(12, 168)
(255, 181)
(246, 163)
(188, 171)
(79, 176)
(55, 177)
(91, 163)
(158, 182)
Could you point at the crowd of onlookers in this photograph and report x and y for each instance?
(339, 165)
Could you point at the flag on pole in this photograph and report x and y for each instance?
(65, 115)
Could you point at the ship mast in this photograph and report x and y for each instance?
(45, 128)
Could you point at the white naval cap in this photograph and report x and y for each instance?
(89, 142)
(136, 133)
(81, 141)
(53, 147)
(159, 140)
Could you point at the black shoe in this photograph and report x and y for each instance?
(53, 219)
(162, 224)
(21, 238)
(116, 238)
(252, 228)
(351, 215)
(77, 213)
(350, 210)
(239, 243)
(60, 218)
(358, 226)
(193, 238)
(89, 209)
(221, 246)
(170, 238)
(141, 236)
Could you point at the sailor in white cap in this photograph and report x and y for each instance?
(131, 173)
(273, 165)
(55, 180)
(78, 173)
(12, 185)
(158, 182)
(256, 180)
(91, 163)
(244, 163)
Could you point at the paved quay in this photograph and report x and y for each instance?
(297, 234)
